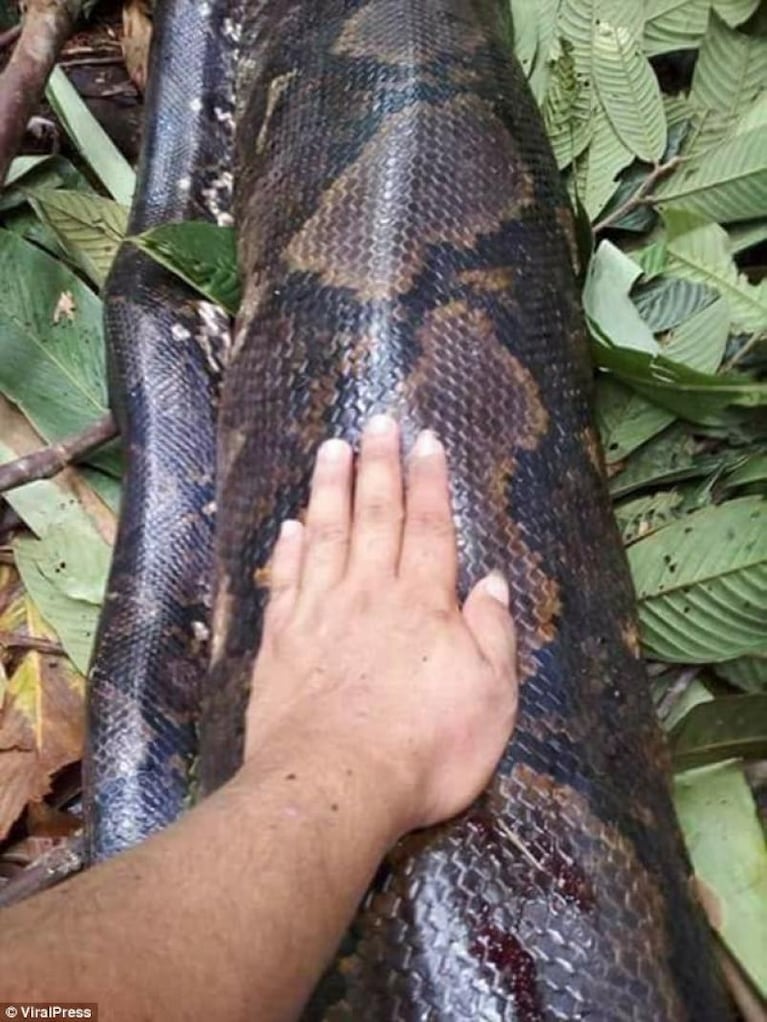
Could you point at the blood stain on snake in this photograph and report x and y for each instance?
(517, 966)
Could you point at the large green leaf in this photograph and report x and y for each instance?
(701, 252)
(702, 584)
(51, 342)
(731, 727)
(567, 109)
(29, 172)
(726, 844)
(735, 12)
(727, 184)
(64, 564)
(597, 168)
(642, 515)
(748, 673)
(96, 147)
(699, 341)
(629, 90)
(90, 227)
(665, 302)
(610, 277)
(728, 77)
(201, 254)
(625, 420)
(535, 24)
(669, 458)
(674, 24)
(752, 470)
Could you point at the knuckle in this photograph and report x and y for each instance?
(328, 533)
(381, 510)
(436, 523)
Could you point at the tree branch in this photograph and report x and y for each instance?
(47, 461)
(47, 25)
(641, 196)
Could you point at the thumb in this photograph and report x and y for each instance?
(486, 612)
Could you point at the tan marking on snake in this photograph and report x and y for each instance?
(631, 640)
(471, 333)
(590, 443)
(492, 279)
(370, 32)
(336, 243)
(565, 220)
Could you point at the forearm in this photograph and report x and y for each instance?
(232, 913)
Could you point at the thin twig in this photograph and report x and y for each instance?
(642, 195)
(45, 29)
(747, 346)
(12, 640)
(89, 61)
(60, 862)
(47, 461)
(9, 37)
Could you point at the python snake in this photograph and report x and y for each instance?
(406, 245)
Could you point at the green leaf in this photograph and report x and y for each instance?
(728, 77)
(89, 226)
(625, 420)
(727, 184)
(752, 470)
(748, 673)
(643, 515)
(606, 300)
(28, 172)
(64, 566)
(674, 24)
(735, 12)
(629, 90)
(665, 302)
(567, 109)
(700, 341)
(748, 235)
(730, 727)
(596, 169)
(668, 458)
(699, 397)
(726, 844)
(702, 584)
(201, 254)
(51, 343)
(106, 161)
(701, 253)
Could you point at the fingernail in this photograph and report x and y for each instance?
(380, 424)
(332, 450)
(290, 528)
(497, 587)
(426, 443)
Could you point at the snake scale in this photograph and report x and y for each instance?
(405, 245)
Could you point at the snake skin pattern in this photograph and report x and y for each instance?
(406, 246)
(165, 351)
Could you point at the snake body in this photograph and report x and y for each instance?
(406, 245)
(165, 351)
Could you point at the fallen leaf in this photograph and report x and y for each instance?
(136, 37)
(42, 723)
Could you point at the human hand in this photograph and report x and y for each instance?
(366, 653)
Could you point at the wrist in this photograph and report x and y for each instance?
(315, 775)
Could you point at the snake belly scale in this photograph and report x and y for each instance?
(406, 245)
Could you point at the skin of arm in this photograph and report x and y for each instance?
(379, 705)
